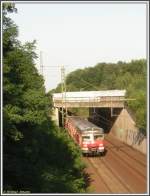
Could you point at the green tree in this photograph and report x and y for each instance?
(37, 156)
(131, 76)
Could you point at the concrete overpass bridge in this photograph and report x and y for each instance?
(106, 109)
(109, 99)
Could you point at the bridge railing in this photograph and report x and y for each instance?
(88, 99)
(89, 102)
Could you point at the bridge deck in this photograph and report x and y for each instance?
(112, 98)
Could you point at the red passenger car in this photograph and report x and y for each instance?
(88, 136)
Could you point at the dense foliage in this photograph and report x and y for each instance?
(37, 156)
(108, 76)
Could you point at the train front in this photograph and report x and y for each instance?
(93, 142)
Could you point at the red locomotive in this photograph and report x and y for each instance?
(88, 136)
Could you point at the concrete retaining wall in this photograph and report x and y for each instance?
(125, 130)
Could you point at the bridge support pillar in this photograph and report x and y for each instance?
(55, 116)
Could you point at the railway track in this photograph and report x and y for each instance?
(101, 180)
(112, 181)
(118, 170)
(128, 150)
(130, 161)
(115, 174)
(117, 178)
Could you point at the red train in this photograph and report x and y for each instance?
(88, 136)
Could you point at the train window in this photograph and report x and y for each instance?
(85, 138)
(98, 137)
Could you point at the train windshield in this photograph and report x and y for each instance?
(85, 138)
(99, 137)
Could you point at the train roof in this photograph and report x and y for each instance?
(83, 124)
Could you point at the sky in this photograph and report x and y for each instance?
(79, 35)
